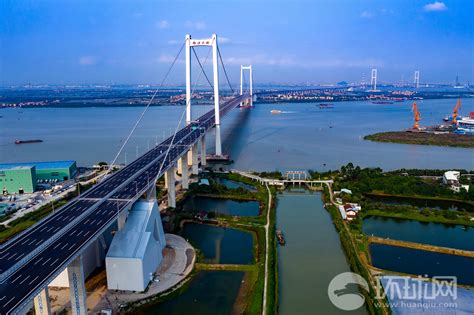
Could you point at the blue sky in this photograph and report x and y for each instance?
(122, 42)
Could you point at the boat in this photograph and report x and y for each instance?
(382, 102)
(326, 106)
(280, 237)
(275, 111)
(27, 141)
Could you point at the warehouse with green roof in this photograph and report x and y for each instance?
(22, 177)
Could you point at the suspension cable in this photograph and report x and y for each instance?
(181, 119)
(225, 72)
(144, 111)
(202, 69)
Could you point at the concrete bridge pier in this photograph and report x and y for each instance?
(77, 287)
(194, 161)
(170, 183)
(180, 164)
(42, 303)
(203, 151)
(184, 171)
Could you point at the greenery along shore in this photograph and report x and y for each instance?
(423, 138)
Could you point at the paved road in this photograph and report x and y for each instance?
(89, 215)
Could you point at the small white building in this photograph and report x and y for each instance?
(136, 250)
(451, 178)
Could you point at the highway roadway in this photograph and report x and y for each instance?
(88, 216)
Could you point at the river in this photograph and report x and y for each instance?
(302, 137)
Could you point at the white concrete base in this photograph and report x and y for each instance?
(42, 303)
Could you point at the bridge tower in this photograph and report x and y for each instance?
(373, 80)
(210, 42)
(416, 80)
(249, 68)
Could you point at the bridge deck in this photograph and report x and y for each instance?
(87, 216)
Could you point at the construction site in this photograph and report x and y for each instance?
(454, 130)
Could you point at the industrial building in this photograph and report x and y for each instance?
(23, 177)
(136, 250)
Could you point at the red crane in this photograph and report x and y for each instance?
(415, 111)
(454, 121)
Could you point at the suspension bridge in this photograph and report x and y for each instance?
(35, 257)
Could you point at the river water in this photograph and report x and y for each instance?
(311, 257)
(302, 137)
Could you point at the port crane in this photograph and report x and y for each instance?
(454, 121)
(415, 111)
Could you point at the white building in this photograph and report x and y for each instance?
(451, 178)
(136, 250)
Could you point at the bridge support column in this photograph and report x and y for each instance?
(216, 96)
(184, 171)
(195, 162)
(203, 151)
(42, 304)
(180, 165)
(171, 187)
(77, 287)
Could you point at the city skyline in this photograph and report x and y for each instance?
(315, 43)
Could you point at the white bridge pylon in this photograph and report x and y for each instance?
(211, 42)
(249, 68)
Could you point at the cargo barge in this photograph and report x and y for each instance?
(28, 141)
(280, 237)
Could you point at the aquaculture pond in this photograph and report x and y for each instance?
(210, 292)
(445, 235)
(224, 206)
(422, 203)
(232, 184)
(220, 245)
(420, 262)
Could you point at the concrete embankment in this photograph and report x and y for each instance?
(431, 248)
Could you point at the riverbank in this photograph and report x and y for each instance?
(258, 291)
(423, 138)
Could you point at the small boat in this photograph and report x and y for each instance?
(27, 141)
(382, 102)
(275, 111)
(326, 106)
(280, 237)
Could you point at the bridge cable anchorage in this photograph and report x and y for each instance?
(144, 111)
(200, 65)
(181, 119)
(225, 71)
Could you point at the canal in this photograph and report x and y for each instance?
(311, 257)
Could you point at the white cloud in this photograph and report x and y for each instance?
(435, 6)
(197, 25)
(223, 40)
(366, 15)
(173, 42)
(88, 60)
(166, 58)
(162, 24)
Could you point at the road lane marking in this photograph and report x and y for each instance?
(17, 278)
(41, 258)
(57, 245)
(46, 261)
(62, 248)
(26, 278)
(9, 301)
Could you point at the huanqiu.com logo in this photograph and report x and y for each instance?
(345, 290)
